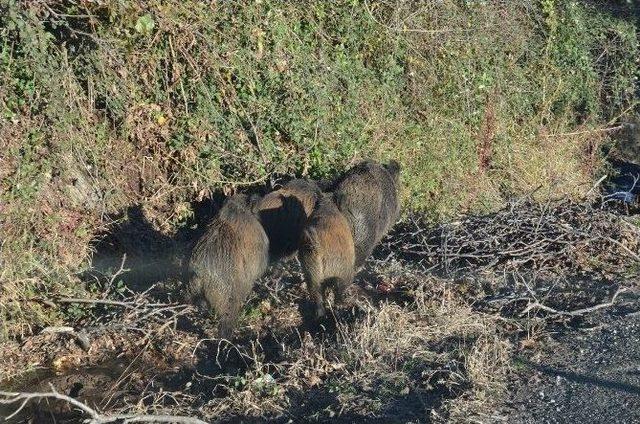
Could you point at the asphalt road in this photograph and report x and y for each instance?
(585, 376)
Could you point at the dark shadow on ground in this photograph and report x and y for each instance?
(325, 406)
(583, 378)
(146, 254)
(150, 256)
(622, 189)
(627, 177)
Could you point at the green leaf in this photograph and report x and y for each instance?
(145, 24)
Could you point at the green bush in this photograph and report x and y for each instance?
(109, 104)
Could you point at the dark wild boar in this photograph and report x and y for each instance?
(227, 259)
(367, 195)
(327, 253)
(283, 213)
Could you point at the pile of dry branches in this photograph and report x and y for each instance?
(138, 313)
(553, 236)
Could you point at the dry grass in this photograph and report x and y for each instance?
(418, 347)
(554, 237)
(423, 358)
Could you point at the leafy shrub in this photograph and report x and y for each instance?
(109, 104)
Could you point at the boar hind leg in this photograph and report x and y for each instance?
(317, 298)
(229, 320)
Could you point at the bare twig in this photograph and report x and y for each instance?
(25, 398)
(119, 272)
(574, 313)
(95, 417)
(596, 185)
(627, 196)
(625, 248)
(552, 236)
(129, 304)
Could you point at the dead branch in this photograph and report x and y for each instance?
(625, 248)
(129, 304)
(596, 185)
(574, 313)
(120, 271)
(626, 196)
(556, 236)
(95, 417)
(25, 398)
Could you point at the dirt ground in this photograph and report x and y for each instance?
(531, 314)
(590, 374)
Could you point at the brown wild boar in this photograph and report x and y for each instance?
(367, 195)
(283, 213)
(227, 259)
(327, 253)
